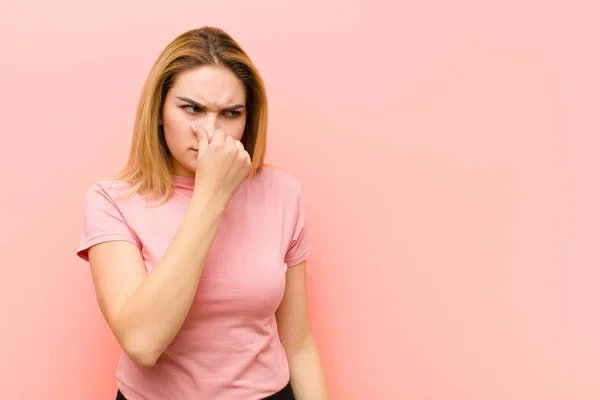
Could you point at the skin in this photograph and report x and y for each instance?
(209, 98)
(203, 118)
(213, 99)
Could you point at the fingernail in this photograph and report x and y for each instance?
(194, 128)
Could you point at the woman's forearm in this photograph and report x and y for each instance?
(307, 374)
(151, 318)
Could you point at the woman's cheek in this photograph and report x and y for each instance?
(175, 141)
(238, 130)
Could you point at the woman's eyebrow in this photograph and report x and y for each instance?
(195, 103)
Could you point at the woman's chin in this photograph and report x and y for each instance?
(188, 168)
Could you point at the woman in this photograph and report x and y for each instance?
(197, 252)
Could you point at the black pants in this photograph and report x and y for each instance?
(284, 394)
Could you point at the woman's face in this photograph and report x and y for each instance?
(209, 97)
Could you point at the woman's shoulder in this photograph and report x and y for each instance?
(113, 188)
(278, 177)
(277, 183)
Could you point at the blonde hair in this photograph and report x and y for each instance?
(149, 168)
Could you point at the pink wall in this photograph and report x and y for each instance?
(449, 156)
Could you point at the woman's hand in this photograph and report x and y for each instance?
(221, 166)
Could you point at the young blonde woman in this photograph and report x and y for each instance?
(197, 251)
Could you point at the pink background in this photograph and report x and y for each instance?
(449, 154)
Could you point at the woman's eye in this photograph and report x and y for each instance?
(192, 109)
(233, 114)
(195, 110)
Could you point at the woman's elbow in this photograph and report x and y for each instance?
(141, 351)
(141, 355)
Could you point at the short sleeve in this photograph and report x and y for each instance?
(299, 247)
(102, 222)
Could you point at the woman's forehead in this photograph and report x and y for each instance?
(210, 86)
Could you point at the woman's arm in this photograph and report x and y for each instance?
(306, 371)
(145, 311)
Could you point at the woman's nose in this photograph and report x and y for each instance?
(210, 126)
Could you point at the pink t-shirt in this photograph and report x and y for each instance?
(228, 347)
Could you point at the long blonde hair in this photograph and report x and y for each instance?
(149, 168)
